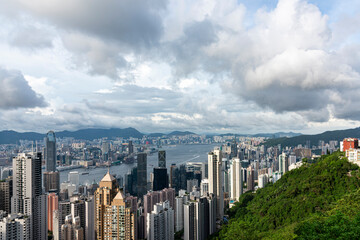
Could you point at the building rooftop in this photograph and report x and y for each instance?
(108, 177)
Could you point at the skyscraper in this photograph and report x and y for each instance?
(27, 198)
(179, 215)
(160, 179)
(236, 180)
(114, 216)
(250, 179)
(215, 180)
(141, 174)
(89, 219)
(6, 194)
(51, 182)
(160, 222)
(53, 203)
(189, 221)
(162, 159)
(50, 152)
(199, 218)
(64, 210)
(15, 226)
(172, 179)
(130, 147)
(283, 164)
(71, 229)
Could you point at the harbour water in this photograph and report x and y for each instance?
(178, 154)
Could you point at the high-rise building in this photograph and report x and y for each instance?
(236, 180)
(263, 179)
(350, 143)
(89, 219)
(53, 204)
(160, 179)
(64, 209)
(154, 197)
(250, 179)
(15, 226)
(169, 195)
(51, 181)
(189, 221)
(204, 187)
(172, 178)
(200, 218)
(77, 206)
(50, 152)
(179, 214)
(190, 184)
(160, 222)
(215, 173)
(113, 214)
(141, 174)
(27, 192)
(71, 229)
(162, 159)
(130, 147)
(131, 182)
(6, 194)
(73, 178)
(292, 159)
(283, 163)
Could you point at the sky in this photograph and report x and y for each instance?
(207, 66)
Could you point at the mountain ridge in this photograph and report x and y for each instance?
(337, 135)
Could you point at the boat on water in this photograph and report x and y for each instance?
(84, 173)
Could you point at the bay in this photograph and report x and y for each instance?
(178, 154)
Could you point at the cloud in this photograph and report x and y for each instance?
(199, 65)
(98, 35)
(285, 61)
(15, 91)
(30, 37)
(133, 22)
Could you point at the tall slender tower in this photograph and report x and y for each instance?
(236, 180)
(162, 158)
(216, 180)
(50, 152)
(27, 197)
(141, 174)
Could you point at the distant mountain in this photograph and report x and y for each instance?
(179, 133)
(86, 134)
(90, 134)
(327, 136)
(268, 135)
(277, 135)
(12, 137)
(155, 135)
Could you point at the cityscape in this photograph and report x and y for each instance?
(47, 190)
(179, 120)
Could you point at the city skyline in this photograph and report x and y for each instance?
(210, 66)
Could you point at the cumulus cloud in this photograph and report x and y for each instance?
(15, 91)
(283, 62)
(98, 34)
(203, 64)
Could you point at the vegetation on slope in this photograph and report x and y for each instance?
(323, 195)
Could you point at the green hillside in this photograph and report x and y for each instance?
(317, 201)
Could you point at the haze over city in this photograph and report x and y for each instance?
(203, 66)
